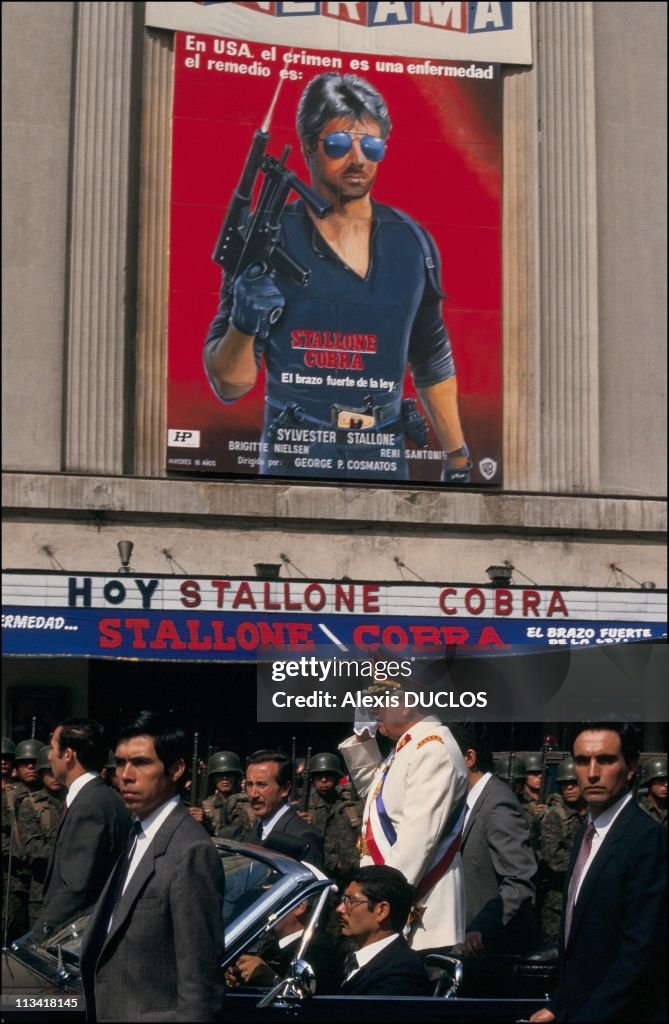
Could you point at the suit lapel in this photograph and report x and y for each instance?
(68, 821)
(476, 810)
(604, 854)
(145, 869)
(375, 964)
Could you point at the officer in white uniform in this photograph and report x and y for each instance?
(414, 810)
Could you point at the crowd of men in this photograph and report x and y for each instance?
(434, 848)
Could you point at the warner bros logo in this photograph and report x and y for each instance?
(488, 468)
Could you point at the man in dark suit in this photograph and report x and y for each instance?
(613, 930)
(497, 858)
(154, 945)
(268, 787)
(372, 914)
(92, 829)
(278, 948)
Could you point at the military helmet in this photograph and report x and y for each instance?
(653, 768)
(43, 763)
(8, 748)
(27, 750)
(225, 761)
(517, 771)
(534, 762)
(320, 763)
(566, 771)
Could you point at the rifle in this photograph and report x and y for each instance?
(293, 769)
(250, 235)
(195, 773)
(549, 743)
(306, 785)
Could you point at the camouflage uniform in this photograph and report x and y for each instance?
(339, 823)
(534, 821)
(557, 828)
(229, 817)
(38, 814)
(660, 816)
(17, 881)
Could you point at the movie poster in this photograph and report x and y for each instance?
(369, 317)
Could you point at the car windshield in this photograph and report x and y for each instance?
(261, 886)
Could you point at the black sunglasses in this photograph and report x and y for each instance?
(338, 144)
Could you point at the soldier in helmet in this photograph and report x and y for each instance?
(38, 815)
(530, 797)
(227, 811)
(25, 760)
(557, 828)
(654, 775)
(334, 815)
(511, 769)
(15, 868)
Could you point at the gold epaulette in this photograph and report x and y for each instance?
(427, 740)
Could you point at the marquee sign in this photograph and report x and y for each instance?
(218, 618)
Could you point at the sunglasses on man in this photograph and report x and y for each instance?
(338, 144)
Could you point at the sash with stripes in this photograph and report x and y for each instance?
(450, 839)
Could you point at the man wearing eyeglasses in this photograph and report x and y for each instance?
(336, 351)
(372, 914)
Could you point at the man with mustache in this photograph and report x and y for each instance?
(268, 787)
(336, 351)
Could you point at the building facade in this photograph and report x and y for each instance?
(87, 120)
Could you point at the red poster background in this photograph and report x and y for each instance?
(443, 168)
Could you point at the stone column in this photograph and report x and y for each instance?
(101, 297)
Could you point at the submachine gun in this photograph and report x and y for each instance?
(249, 236)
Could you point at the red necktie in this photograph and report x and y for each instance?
(579, 867)
(61, 816)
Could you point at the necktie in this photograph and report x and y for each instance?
(123, 866)
(350, 964)
(576, 876)
(61, 817)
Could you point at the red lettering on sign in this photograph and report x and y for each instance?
(503, 602)
(490, 638)
(220, 586)
(190, 590)
(370, 597)
(110, 635)
(194, 641)
(474, 601)
(167, 634)
(137, 626)
(244, 596)
(314, 597)
(531, 599)
(344, 597)
(556, 604)
(447, 609)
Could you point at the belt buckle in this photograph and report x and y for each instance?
(349, 419)
(354, 419)
(361, 844)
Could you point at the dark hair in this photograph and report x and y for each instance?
(332, 95)
(630, 743)
(380, 882)
(474, 736)
(284, 774)
(87, 738)
(169, 740)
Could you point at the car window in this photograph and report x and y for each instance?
(247, 881)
